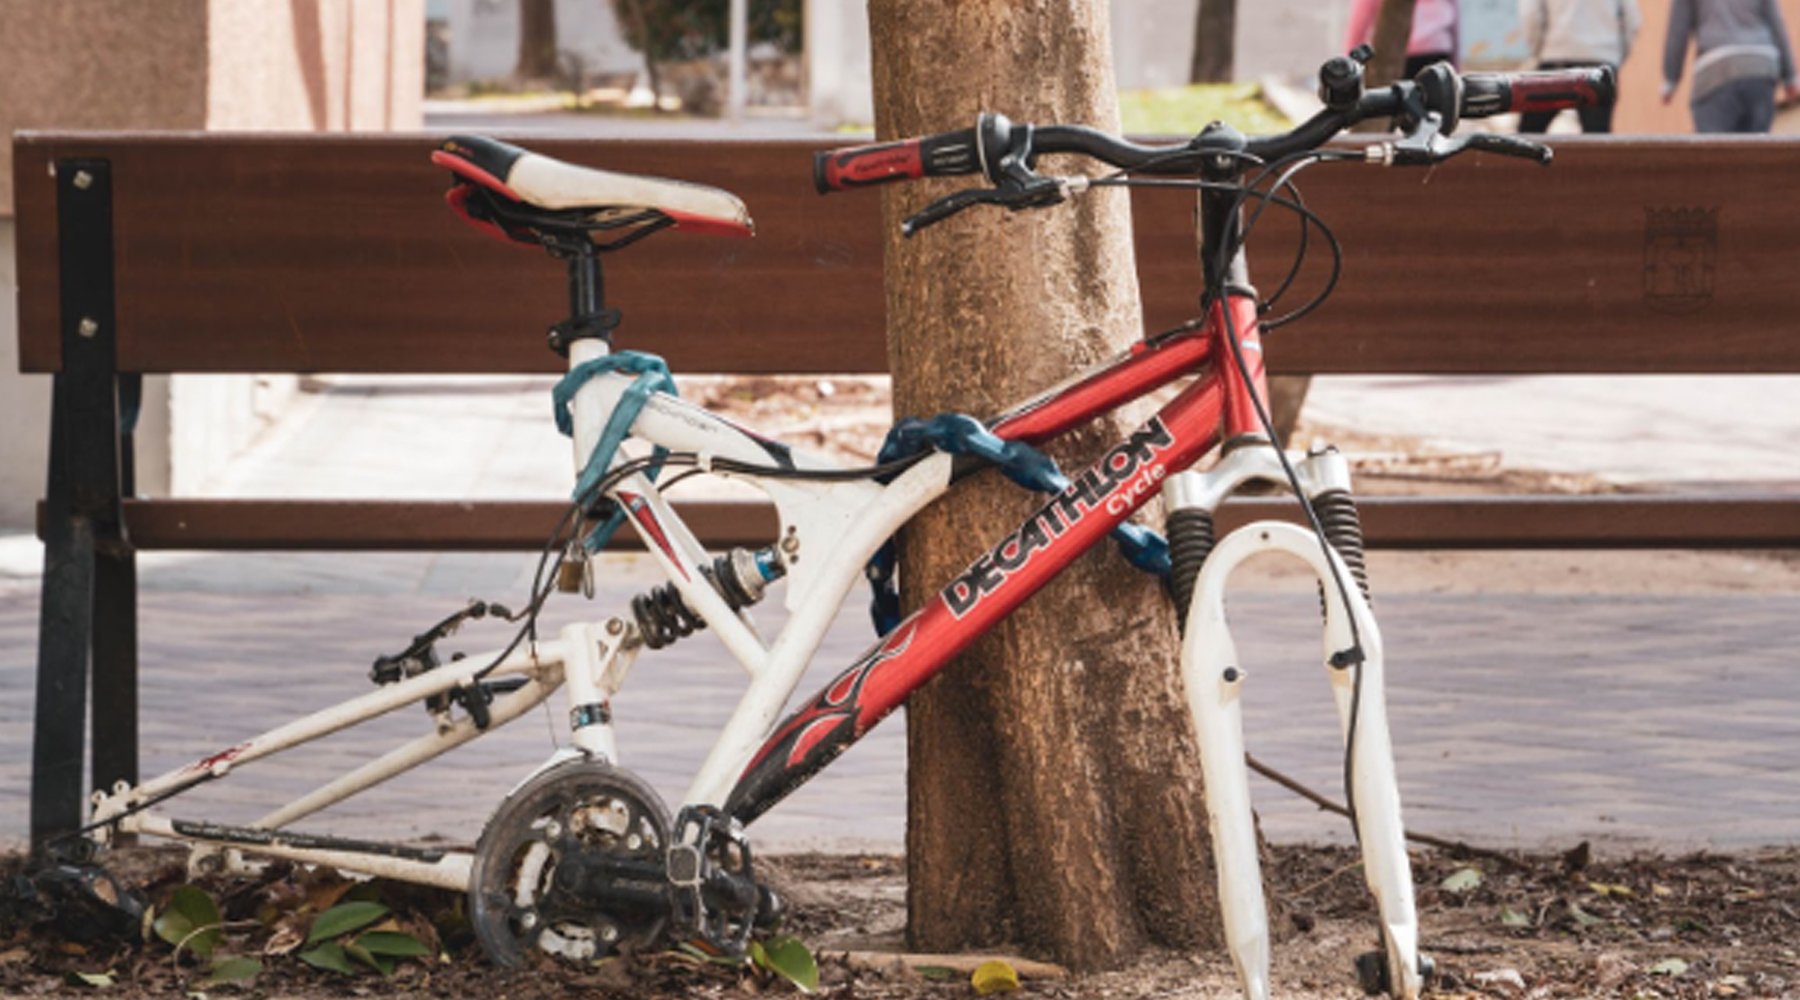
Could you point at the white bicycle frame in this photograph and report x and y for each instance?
(829, 532)
(836, 526)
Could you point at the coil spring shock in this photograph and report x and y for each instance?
(1343, 529)
(1191, 540)
(663, 617)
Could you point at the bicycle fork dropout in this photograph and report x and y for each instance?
(1214, 680)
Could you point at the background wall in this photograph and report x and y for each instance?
(327, 65)
(184, 64)
(484, 38)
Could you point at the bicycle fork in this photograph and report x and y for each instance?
(1214, 680)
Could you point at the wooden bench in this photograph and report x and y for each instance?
(142, 254)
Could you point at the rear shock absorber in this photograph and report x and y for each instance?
(1191, 539)
(1343, 529)
(741, 577)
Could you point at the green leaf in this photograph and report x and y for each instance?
(232, 969)
(344, 918)
(937, 972)
(1668, 967)
(191, 921)
(789, 958)
(98, 980)
(376, 962)
(1582, 917)
(330, 957)
(1462, 880)
(396, 943)
(1510, 917)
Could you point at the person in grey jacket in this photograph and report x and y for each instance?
(1566, 34)
(1741, 54)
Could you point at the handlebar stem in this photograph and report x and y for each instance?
(1221, 214)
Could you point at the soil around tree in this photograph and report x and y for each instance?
(1541, 925)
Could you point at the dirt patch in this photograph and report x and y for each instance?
(1704, 925)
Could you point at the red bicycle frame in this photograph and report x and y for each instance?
(1217, 406)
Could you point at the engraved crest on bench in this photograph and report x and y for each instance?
(1681, 249)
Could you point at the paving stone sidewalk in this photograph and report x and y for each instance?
(1518, 720)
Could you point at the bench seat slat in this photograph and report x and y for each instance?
(1615, 521)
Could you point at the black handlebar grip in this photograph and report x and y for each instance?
(1487, 94)
(941, 155)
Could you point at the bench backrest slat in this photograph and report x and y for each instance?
(336, 254)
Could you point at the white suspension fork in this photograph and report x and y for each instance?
(1214, 679)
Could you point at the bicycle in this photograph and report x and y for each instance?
(582, 858)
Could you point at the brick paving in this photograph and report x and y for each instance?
(1518, 720)
(1663, 722)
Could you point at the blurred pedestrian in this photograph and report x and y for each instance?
(1434, 24)
(1577, 34)
(1741, 55)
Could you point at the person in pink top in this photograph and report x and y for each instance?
(1433, 31)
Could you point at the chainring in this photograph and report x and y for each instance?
(571, 865)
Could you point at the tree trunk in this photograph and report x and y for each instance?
(641, 25)
(1393, 30)
(1215, 42)
(537, 40)
(1054, 787)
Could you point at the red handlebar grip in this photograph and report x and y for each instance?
(1558, 89)
(861, 166)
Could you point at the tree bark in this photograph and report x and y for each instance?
(537, 40)
(1393, 30)
(641, 25)
(1054, 796)
(1215, 42)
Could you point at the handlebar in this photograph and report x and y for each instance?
(1426, 109)
(940, 155)
(1487, 94)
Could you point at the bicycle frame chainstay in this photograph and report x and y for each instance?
(1214, 679)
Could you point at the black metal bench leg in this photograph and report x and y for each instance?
(82, 516)
(115, 723)
(65, 623)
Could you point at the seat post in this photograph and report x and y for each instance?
(588, 315)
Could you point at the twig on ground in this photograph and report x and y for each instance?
(963, 964)
(1455, 846)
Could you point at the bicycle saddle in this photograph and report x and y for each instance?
(526, 197)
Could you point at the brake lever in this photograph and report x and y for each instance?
(1034, 192)
(949, 205)
(1510, 145)
(1426, 145)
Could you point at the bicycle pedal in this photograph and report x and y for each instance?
(713, 895)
